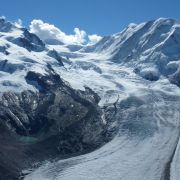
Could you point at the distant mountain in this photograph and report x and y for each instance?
(152, 48)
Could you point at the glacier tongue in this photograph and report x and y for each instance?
(134, 154)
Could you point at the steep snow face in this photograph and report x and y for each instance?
(136, 39)
(148, 45)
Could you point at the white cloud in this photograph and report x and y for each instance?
(94, 38)
(49, 31)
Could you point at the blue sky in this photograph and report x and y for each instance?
(103, 17)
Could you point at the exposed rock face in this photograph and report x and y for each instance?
(54, 54)
(58, 120)
(30, 41)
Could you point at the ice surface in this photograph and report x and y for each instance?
(142, 155)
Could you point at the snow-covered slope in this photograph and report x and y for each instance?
(137, 75)
(21, 52)
(137, 57)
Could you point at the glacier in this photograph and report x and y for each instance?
(136, 73)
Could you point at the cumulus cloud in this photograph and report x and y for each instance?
(48, 31)
(94, 38)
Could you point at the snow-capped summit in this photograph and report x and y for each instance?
(146, 38)
(20, 52)
(151, 48)
(142, 36)
(5, 26)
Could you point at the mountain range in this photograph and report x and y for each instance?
(108, 110)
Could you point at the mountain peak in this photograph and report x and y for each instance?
(5, 26)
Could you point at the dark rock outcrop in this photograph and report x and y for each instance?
(56, 122)
(54, 54)
(29, 41)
